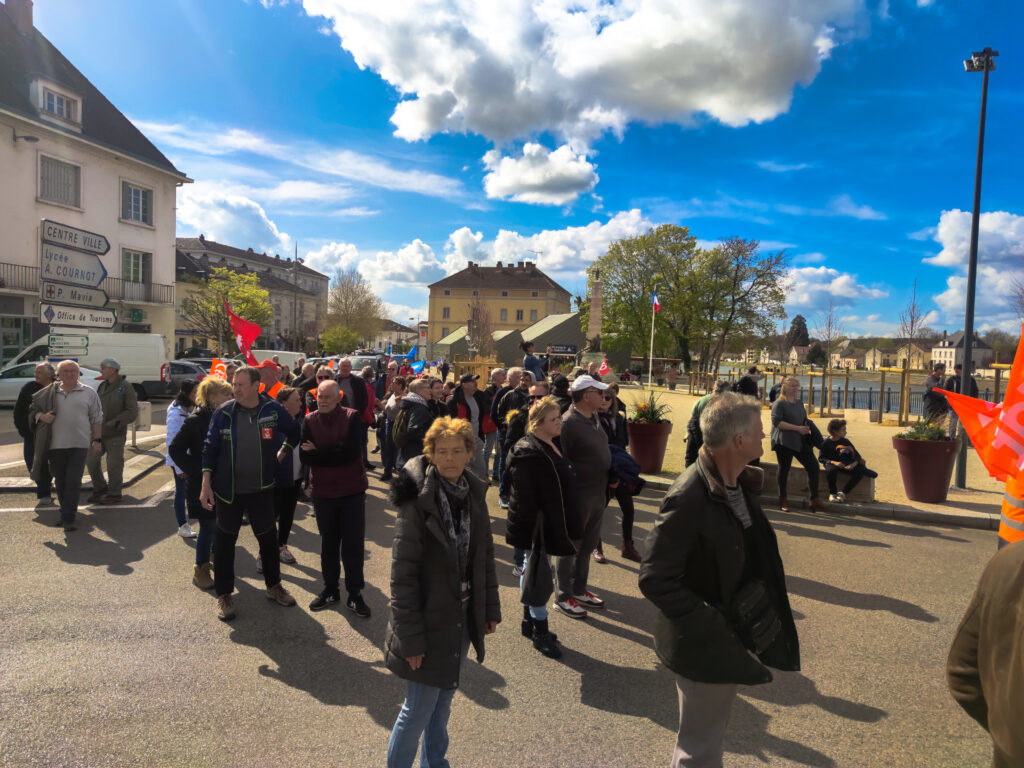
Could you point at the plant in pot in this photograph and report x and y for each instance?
(649, 429)
(926, 456)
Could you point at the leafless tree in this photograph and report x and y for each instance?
(912, 320)
(352, 304)
(480, 327)
(829, 331)
(1017, 297)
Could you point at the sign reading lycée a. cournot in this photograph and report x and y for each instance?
(64, 265)
(72, 237)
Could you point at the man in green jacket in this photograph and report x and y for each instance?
(120, 407)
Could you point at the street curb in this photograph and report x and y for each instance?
(86, 485)
(979, 520)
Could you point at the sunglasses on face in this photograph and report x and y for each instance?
(536, 397)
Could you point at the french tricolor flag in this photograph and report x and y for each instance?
(655, 302)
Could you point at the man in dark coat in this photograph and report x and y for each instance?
(44, 376)
(714, 573)
(953, 385)
(747, 385)
(934, 403)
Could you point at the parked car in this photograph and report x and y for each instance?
(185, 369)
(16, 376)
(206, 363)
(190, 354)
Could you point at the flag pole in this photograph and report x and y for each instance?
(650, 360)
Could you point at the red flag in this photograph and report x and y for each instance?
(605, 368)
(245, 333)
(979, 419)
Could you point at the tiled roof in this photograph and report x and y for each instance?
(387, 326)
(209, 246)
(197, 268)
(521, 276)
(23, 58)
(956, 340)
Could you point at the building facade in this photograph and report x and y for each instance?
(68, 155)
(297, 293)
(950, 350)
(391, 333)
(516, 296)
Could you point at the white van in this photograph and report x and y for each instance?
(143, 356)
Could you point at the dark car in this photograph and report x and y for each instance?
(189, 354)
(185, 369)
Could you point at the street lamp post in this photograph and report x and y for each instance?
(980, 61)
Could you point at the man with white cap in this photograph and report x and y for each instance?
(585, 445)
(120, 407)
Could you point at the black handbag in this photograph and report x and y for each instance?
(538, 581)
(756, 621)
(814, 439)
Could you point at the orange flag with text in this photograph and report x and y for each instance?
(219, 369)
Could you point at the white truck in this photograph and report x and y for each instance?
(143, 356)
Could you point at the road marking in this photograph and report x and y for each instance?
(154, 500)
(21, 462)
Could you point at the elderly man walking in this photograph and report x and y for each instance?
(120, 407)
(68, 420)
(44, 375)
(585, 445)
(714, 573)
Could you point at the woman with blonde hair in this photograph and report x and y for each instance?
(543, 516)
(186, 450)
(792, 437)
(434, 613)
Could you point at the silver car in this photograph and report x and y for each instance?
(17, 376)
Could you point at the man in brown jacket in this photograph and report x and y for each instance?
(985, 669)
(120, 408)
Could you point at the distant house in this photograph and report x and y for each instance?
(950, 350)
(916, 358)
(851, 359)
(878, 357)
(798, 354)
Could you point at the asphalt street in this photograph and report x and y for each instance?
(110, 657)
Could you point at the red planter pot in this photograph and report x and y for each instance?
(647, 444)
(926, 467)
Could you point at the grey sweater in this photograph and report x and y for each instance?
(791, 413)
(585, 445)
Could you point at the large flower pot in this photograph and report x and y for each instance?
(647, 443)
(926, 467)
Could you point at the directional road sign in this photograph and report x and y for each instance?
(63, 265)
(76, 316)
(68, 339)
(73, 294)
(72, 237)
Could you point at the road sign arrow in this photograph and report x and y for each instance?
(63, 265)
(72, 237)
(72, 294)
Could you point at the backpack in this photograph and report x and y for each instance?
(400, 429)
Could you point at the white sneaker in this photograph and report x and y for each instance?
(186, 532)
(842, 497)
(833, 498)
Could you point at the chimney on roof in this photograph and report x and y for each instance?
(519, 264)
(498, 265)
(202, 238)
(20, 12)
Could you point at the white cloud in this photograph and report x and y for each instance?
(809, 258)
(406, 314)
(776, 167)
(813, 287)
(331, 257)
(581, 68)
(841, 205)
(931, 317)
(927, 233)
(228, 218)
(874, 318)
(775, 245)
(540, 176)
(415, 263)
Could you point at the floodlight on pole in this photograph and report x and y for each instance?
(980, 61)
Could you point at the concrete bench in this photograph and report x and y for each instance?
(796, 485)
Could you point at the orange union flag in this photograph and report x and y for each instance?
(219, 369)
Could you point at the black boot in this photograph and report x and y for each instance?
(544, 641)
(527, 626)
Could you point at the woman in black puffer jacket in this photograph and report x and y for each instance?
(543, 516)
(186, 451)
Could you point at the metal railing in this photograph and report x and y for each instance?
(23, 278)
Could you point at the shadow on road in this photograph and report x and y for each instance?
(799, 531)
(130, 532)
(826, 593)
(747, 734)
(792, 689)
(893, 527)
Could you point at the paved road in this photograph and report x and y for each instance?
(110, 657)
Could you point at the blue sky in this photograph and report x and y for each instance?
(406, 138)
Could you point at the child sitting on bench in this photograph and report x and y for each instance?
(837, 453)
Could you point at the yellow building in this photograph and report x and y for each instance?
(516, 295)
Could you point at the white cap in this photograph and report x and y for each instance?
(587, 382)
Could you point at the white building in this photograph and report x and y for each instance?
(950, 350)
(68, 155)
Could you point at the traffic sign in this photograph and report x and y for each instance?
(73, 294)
(76, 316)
(68, 339)
(72, 237)
(64, 265)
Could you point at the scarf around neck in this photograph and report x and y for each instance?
(457, 493)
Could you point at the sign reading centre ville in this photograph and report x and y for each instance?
(80, 317)
(72, 237)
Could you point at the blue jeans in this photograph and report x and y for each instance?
(537, 612)
(425, 712)
(489, 440)
(204, 541)
(180, 491)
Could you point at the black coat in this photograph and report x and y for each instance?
(458, 409)
(696, 559)
(186, 450)
(536, 494)
(21, 408)
(420, 419)
(425, 611)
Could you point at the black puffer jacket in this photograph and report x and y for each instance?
(425, 611)
(696, 559)
(536, 493)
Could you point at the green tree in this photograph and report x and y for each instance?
(817, 355)
(352, 304)
(204, 309)
(797, 335)
(339, 340)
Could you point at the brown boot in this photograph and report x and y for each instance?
(629, 551)
(225, 608)
(280, 595)
(816, 505)
(783, 504)
(201, 576)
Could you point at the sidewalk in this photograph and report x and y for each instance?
(977, 506)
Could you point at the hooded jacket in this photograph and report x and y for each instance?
(425, 612)
(696, 560)
(537, 495)
(420, 419)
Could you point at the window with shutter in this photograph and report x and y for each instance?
(60, 182)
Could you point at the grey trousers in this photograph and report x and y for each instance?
(572, 572)
(113, 449)
(703, 714)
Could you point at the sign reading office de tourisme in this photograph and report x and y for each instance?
(70, 273)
